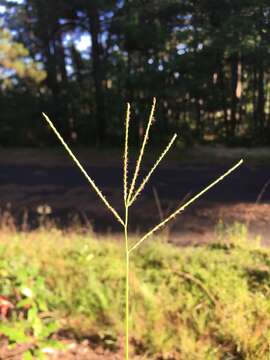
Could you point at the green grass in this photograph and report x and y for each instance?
(209, 302)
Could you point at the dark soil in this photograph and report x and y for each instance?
(243, 196)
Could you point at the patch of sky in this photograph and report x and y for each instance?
(16, 1)
(82, 41)
(181, 49)
(115, 48)
(7, 73)
(69, 69)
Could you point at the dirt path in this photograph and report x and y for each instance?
(242, 186)
(24, 188)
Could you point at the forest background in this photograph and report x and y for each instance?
(206, 61)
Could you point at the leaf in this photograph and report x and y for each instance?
(32, 314)
(14, 332)
(48, 329)
(37, 327)
(27, 356)
(23, 303)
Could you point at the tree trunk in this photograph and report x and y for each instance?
(234, 97)
(199, 129)
(98, 71)
(222, 88)
(261, 98)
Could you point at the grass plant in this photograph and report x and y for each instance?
(131, 193)
(205, 302)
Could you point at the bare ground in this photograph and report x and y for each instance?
(74, 350)
(30, 178)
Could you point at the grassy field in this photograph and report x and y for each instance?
(208, 302)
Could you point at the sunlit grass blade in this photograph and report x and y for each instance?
(91, 181)
(138, 164)
(126, 153)
(181, 208)
(126, 233)
(145, 180)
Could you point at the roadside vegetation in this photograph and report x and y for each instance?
(206, 302)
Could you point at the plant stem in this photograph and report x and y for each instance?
(127, 288)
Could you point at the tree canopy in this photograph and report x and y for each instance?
(207, 62)
(16, 63)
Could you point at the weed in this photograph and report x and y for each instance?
(234, 235)
(30, 322)
(190, 303)
(131, 193)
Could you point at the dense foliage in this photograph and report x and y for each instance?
(209, 302)
(206, 61)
